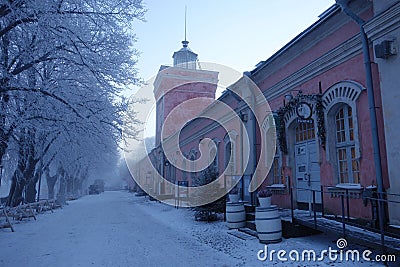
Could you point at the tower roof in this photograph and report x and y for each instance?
(185, 58)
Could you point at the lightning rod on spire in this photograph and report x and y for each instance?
(185, 21)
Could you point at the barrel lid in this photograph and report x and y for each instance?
(272, 207)
(234, 203)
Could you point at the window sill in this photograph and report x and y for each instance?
(277, 189)
(353, 190)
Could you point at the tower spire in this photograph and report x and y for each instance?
(185, 42)
(185, 20)
(185, 58)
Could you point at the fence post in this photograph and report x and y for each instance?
(314, 209)
(322, 201)
(291, 199)
(179, 194)
(343, 223)
(381, 220)
(348, 204)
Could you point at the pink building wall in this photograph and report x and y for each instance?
(330, 33)
(352, 69)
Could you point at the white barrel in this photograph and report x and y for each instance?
(268, 224)
(235, 215)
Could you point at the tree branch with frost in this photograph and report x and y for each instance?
(46, 93)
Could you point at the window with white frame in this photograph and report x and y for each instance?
(275, 174)
(192, 167)
(213, 154)
(228, 161)
(230, 152)
(213, 161)
(347, 162)
(342, 139)
(184, 172)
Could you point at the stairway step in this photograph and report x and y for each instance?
(251, 225)
(249, 208)
(250, 216)
(244, 235)
(248, 231)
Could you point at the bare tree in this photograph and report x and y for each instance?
(63, 65)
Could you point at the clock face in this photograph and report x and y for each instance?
(303, 110)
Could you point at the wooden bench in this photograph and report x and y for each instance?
(5, 219)
(46, 204)
(53, 204)
(22, 211)
(25, 211)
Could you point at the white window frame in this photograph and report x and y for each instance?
(339, 94)
(347, 146)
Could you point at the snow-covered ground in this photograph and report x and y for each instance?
(119, 229)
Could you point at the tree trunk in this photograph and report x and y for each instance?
(51, 182)
(24, 175)
(30, 192)
(16, 190)
(32, 178)
(62, 190)
(69, 185)
(17, 196)
(12, 190)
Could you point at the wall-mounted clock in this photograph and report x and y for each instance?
(304, 110)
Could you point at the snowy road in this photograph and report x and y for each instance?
(118, 229)
(101, 230)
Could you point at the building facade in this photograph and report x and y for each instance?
(383, 31)
(316, 89)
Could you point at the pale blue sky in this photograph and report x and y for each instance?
(235, 33)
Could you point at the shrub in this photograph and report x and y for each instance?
(209, 211)
(234, 191)
(264, 193)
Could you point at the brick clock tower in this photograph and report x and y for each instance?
(184, 81)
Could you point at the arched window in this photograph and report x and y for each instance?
(347, 162)
(213, 155)
(275, 173)
(272, 153)
(193, 165)
(214, 158)
(184, 173)
(230, 152)
(343, 145)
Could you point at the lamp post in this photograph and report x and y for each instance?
(371, 103)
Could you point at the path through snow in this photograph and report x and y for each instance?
(119, 229)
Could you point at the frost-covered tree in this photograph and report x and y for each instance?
(63, 65)
(208, 212)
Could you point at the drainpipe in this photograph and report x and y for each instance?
(255, 149)
(371, 103)
(242, 171)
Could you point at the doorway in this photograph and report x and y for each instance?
(307, 168)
